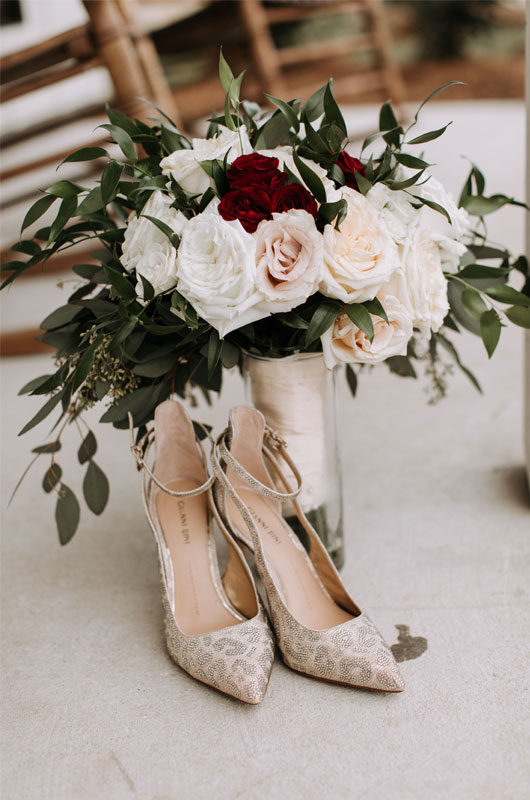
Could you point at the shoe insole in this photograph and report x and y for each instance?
(303, 595)
(184, 521)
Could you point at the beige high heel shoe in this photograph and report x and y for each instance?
(320, 630)
(216, 629)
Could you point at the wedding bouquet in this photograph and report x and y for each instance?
(267, 236)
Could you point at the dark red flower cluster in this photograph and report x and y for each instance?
(257, 189)
(350, 165)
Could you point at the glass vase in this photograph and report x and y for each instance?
(297, 396)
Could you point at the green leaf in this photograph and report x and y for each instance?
(519, 316)
(87, 448)
(332, 110)
(171, 235)
(401, 365)
(322, 319)
(51, 478)
(314, 106)
(121, 121)
(64, 189)
(473, 303)
(61, 316)
(329, 211)
(286, 110)
(37, 210)
(33, 384)
(50, 447)
(490, 330)
(229, 122)
(120, 284)
(46, 409)
(388, 122)
(375, 307)
(363, 183)
(437, 91)
(395, 185)
(66, 209)
(110, 180)
(95, 488)
(506, 294)
(92, 202)
(87, 154)
(361, 317)
(214, 351)
(156, 367)
(85, 364)
(226, 75)
(428, 137)
(138, 403)
(229, 355)
(484, 251)
(472, 271)
(351, 377)
(67, 514)
(479, 206)
(435, 207)
(148, 288)
(411, 161)
(310, 178)
(273, 133)
(123, 140)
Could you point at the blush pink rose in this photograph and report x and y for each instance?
(289, 253)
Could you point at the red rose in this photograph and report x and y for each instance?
(294, 196)
(255, 169)
(350, 166)
(250, 206)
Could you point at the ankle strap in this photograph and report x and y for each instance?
(140, 451)
(221, 452)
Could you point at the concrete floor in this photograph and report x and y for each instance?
(437, 519)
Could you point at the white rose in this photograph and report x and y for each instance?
(147, 250)
(424, 284)
(359, 257)
(216, 270)
(345, 343)
(288, 258)
(394, 208)
(184, 165)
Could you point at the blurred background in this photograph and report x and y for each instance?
(62, 60)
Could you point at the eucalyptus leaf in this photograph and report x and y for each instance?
(87, 448)
(46, 409)
(67, 513)
(506, 294)
(61, 316)
(473, 303)
(95, 488)
(50, 447)
(402, 366)
(52, 476)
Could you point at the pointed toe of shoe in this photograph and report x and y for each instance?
(353, 654)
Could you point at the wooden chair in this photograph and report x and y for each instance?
(109, 39)
(287, 70)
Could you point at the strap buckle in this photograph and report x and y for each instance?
(277, 441)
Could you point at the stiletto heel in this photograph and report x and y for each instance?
(216, 628)
(320, 630)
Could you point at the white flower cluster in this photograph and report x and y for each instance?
(386, 248)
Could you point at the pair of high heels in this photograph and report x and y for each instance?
(216, 626)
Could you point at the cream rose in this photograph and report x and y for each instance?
(147, 250)
(288, 258)
(345, 343)
(360, 256)
(216, 270)
(184, 165)
(424, 283)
